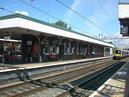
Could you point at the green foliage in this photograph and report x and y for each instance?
(62, 24)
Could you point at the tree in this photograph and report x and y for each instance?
(62, 24)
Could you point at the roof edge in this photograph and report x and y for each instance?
(123, 3)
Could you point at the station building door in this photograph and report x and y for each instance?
(28, 42)
(61, 51)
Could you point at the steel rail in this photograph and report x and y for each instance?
(68, 92)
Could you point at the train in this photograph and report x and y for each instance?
(120, 54)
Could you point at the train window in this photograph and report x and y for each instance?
(117, 51)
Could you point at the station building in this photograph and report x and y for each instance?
(124, 18)
(24, 39)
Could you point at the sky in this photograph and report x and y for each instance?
(103, 13)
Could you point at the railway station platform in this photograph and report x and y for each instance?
(116, 86)
(10, 67)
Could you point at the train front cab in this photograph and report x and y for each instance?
(117, 54)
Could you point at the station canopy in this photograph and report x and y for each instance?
(22, 24)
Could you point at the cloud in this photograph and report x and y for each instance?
(69, 14)
(22, 12)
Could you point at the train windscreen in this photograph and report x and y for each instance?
(117, 51)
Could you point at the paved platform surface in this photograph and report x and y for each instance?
(116, 86)
(38, 65)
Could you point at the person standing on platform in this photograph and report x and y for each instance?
(35, 52)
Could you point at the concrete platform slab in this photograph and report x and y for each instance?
(116, 86)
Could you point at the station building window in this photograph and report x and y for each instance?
(1, 48)
(46, 48)
(77, 49)
(69, 48)
(54, 48)
(65, 48)
(7, 46)
(85, 50)
(81, 50)
(1, 52)
(17, 48)
(10, 50)
(51, 48)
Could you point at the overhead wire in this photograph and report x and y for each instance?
(32, 6)
(105, 10)
(2, 8)
(84, 17)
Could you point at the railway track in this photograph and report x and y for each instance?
(51, 81)
(85, 89)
